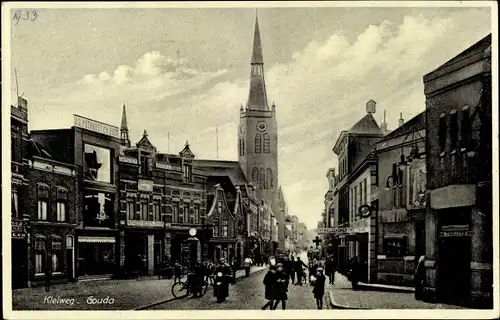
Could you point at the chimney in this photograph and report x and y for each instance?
(371, 106)
(401, 120)
(22, 104)
(383, 125)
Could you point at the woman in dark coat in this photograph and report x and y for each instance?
(269, 283)
(319, 288)
(281, 287)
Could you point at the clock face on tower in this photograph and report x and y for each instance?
(261, 126)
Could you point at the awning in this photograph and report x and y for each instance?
(97, 239)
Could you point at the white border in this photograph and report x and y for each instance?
(309, 314)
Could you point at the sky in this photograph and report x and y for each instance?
(185, 72)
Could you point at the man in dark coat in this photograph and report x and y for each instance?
(299, 264)
(354, 270)
(225, 269)
(319, 288)
(281, 287)
(269, 283)
(291, 268)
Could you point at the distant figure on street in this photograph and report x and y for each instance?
(419, 278)
(177, 271)
(281, 287)
(247, 264)
(269, 287)
(299, 265)
(319, 288)
(289, 268)
(353, 273)
(48, 277)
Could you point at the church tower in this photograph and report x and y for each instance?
(258, 136)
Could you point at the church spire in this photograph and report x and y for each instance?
(124, 129)
(257, 57)
(257, 98)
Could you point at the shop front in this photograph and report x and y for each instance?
(180, 245)
(144, 249)
(19, 255)
(225, 249)
(96, 255)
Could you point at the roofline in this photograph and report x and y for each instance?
(341, 134)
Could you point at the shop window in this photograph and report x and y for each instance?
(266, 143)
(62, 200)
(225, 228)
(131, 209)
(258, 143)
(57, 255)
(40, 254)
(216, 228)
(15, 204)
(395, 246)
(156, 210)
(97, 163)
(43, 201)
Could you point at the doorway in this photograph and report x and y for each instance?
(19, 263)
(454, 274)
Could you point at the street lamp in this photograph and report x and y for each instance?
(194, 246)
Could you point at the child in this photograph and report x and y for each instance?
(319, 287)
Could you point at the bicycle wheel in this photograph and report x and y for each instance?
(180, 290)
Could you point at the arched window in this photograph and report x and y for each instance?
(258, 143)
(266, 143)
(262, 184)
(269, 179)
(255, 176)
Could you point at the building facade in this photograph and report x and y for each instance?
(258, 136)
(401, 202)
(458, 220)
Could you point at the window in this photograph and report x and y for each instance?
(57, 255)
(374, 178)
(99, 209)
(181, 215)
(176, 212)
(262, 181)
(225, 227)
(365, 192)
(43, 201)
(40, 254)
(240, 146)
(255, 176)
(156, 210)
(167, 216)
(187, 170)
(243, 147)
(144, 209)
(466, 129)
(258, 143)
(454, 129)
(13, 148)
(15, 204)
(442, 132)
(130, 208)
(188, 218)
(266, 143)
(196, 214)
(216, 228)
(62, 200)
(219, 207)
(269, 179)
(395, 247)
(97, 163)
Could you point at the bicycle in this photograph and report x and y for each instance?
(182, 289)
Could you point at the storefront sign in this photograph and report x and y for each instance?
(455, 231)
(96, 126)
(18, 230)
(331, 230)
(145, 224)
(127, 160)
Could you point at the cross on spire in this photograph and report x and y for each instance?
(317, 241)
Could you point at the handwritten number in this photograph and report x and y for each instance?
(26, 15)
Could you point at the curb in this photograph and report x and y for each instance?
(172, 299)
(335, 305)
(369, 287)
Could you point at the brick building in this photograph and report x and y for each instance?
(458, 220)
(401, 202)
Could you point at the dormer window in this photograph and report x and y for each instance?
(187, 172)
(146, 165)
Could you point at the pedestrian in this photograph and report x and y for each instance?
(334, 269)
(291, 269)
(281, 287)
(419, 278)
(177, 271)
(269, 287)
(319, 288)
(299, 264)
(48, 277)
(354, 272)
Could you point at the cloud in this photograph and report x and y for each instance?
(319, 92)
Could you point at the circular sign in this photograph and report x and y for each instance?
(192, 232)
(365, 211)
(261, 126)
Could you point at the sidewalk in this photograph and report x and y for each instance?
(122, 294)
(343, 297)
